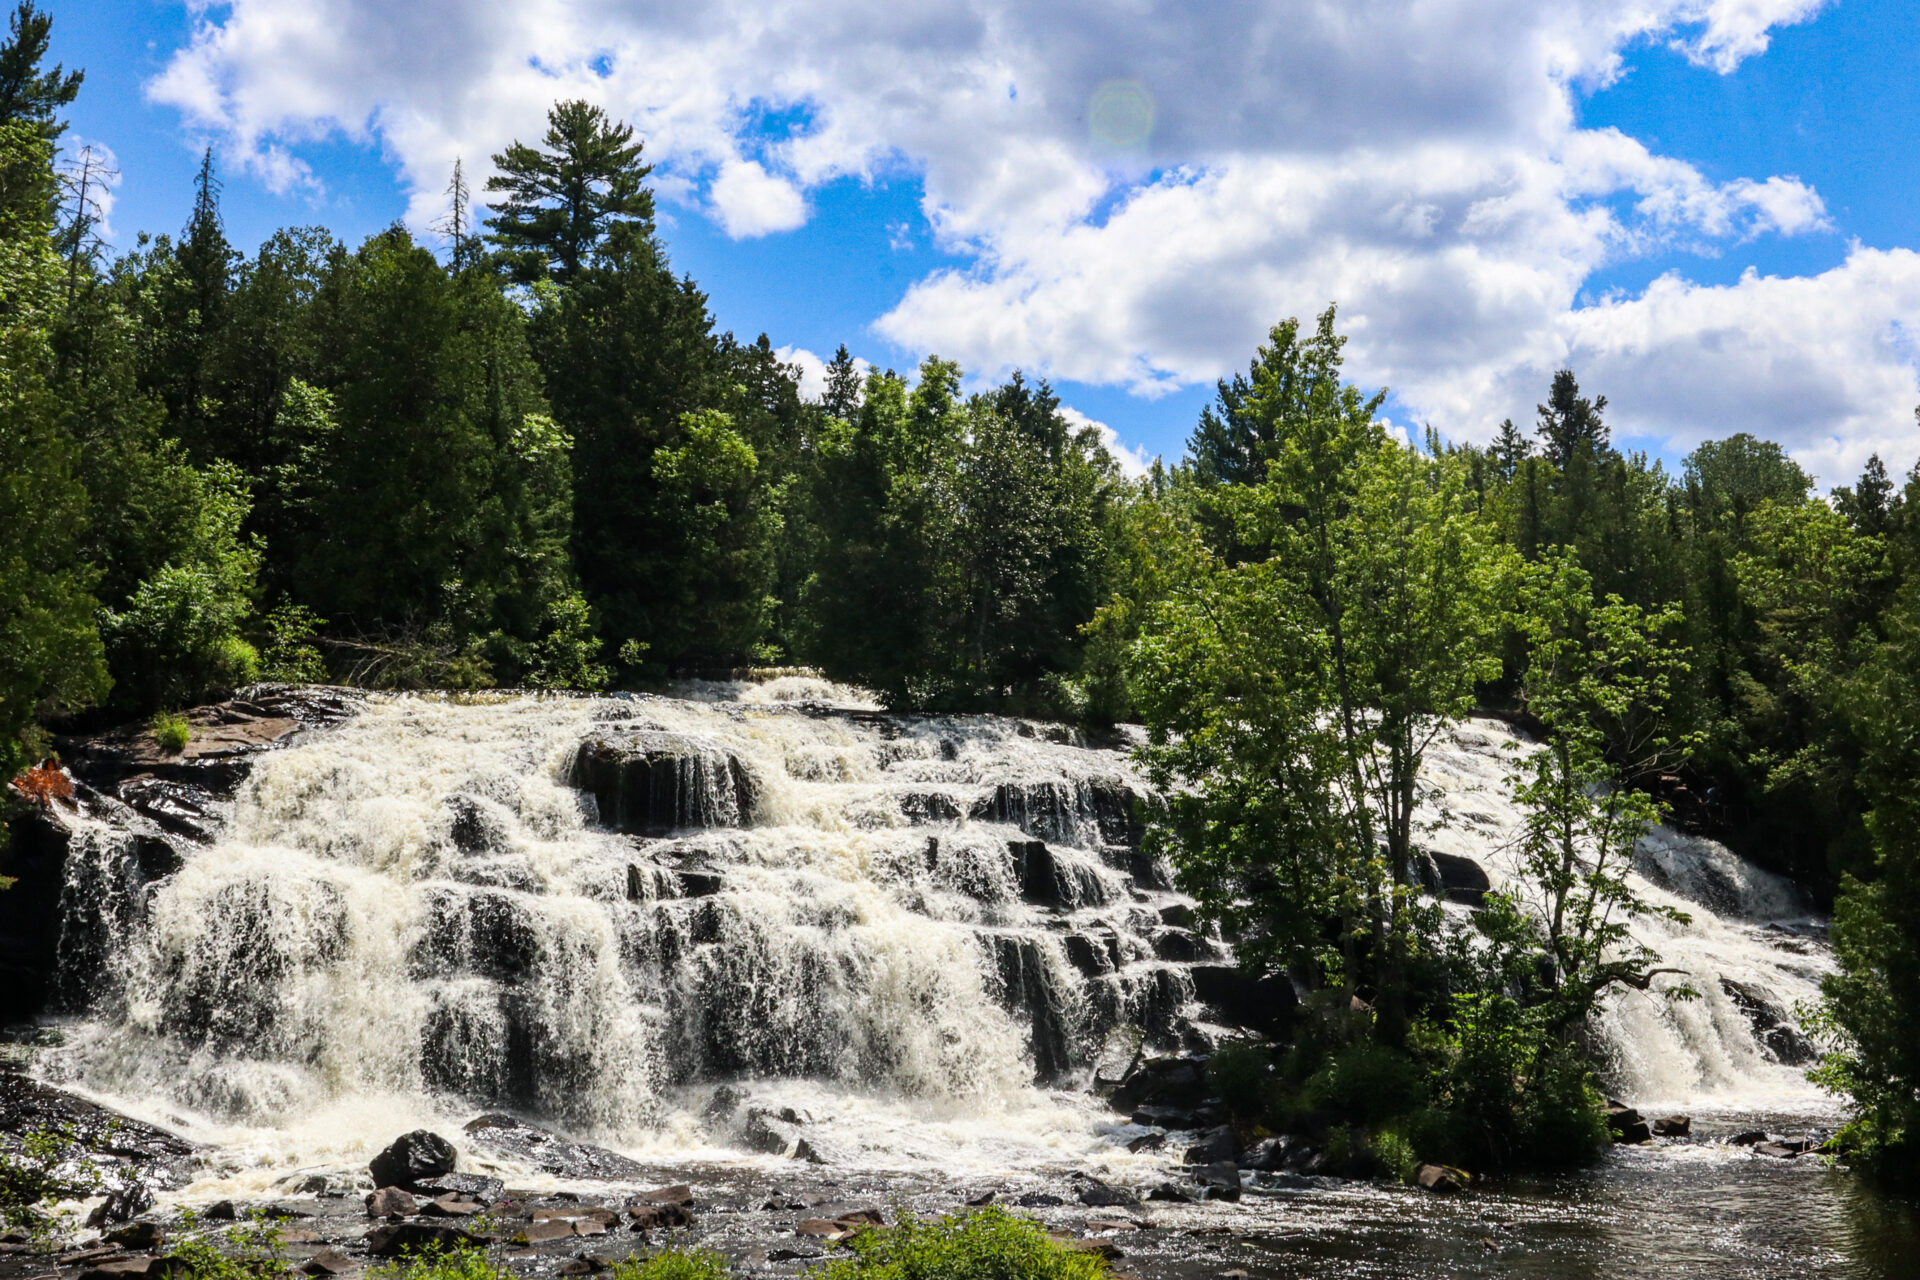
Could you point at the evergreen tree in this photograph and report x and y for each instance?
(29, 95)
(842, 398)
(563, 204)
(1510, 449)
(1570, 424)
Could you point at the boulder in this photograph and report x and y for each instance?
(550, 1152)
(1673, 1127)
(1096, 1194)
(1778, 1150)
(679, 1193)
(1626, 1124)
(138, 1235)
(1276, 1154)
(1217, 1146)
(391, 1202)
(472, 1186)
(649, 1217)
(1038, 1200)
(1166, 1081)
(397, 1239)
(1181, 946)
(412, 1157)
(328, 1262)
(544, 1229)
(1460, 879)
(1180, 916)
(451, 1205)
(651, 783)
(1171, 1193)
(1264, 1004)
(1218, 1181)
(1441, 1177)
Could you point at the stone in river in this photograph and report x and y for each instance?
(389, 1202)
(1441, 1177)
(411, 1158)
(1673, 1127)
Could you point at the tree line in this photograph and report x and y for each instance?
(521, 455)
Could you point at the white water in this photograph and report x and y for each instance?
(335, 968)
(1746, 925)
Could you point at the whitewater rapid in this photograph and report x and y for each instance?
(418, 914)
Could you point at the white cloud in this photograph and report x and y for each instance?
(752, 202)
(1419, 162)
(813, 369)
(1735, 30)
(1133, 461)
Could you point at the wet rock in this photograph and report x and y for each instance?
(983, 1199)
(1037, 874)
(1772, 1027)
(1218, 1181)
(1038, 1200)
(451, 1206)
(651, 783)
(650, 1217)
(584, 1265)
(1181, 945)
(1180, 916)
(1168, 1081)
(544, 1229)
(1273, 1155)
(220, 1211)
(1096, 1194)
(328, 1262)
(473, 1186)
(1171, 1192)
(1747, 1138)
(138, 1235)
(1266, 1004)
(549, 1152)
(1778, 1150)
(725, 1101)
(1217, 1146)
(679, 1193)
(1171, 1117)
(120, 1269)
(814, 1150)
(412, 1157)
(1459, 879)
(387, 1202)
(1626, 1124)
(396, 1239)
(121, 1204)
(1790, 1046)
(1441, 1177)
(1673, 1127)
(770, 1132)
(1098, 1246)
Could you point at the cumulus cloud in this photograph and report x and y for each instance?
(1140, 190)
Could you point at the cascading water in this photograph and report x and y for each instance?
(587, 908)
(595, 910)
(1751, 951)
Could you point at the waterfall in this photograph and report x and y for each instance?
(590, 909)
(597, 910)
(1751, 950)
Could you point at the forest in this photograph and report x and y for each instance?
(515, 453)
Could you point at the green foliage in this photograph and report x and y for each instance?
(30, 95)
(47, 1165)
(1242, 1077)
(250, 1250)
(171, 730)
(289, 653)
(1873, 1002)
(178, 637)
(674, 1264)
(563, 202)
(461, 1262)
(986, 1244)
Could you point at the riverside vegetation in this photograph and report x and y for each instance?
(519, 455)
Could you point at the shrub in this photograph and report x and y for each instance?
(674, 1264)
(989, 1244)
(1242, 1076)
(171, 730)
(290, 654)
(1366, 1083)
(469, 1262)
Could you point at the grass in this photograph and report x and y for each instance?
(171, 730)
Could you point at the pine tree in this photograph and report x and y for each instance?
(27, 93)
(1570, 424)
(1510, 449)
(842, 399)
(564, 203)
(457, 226)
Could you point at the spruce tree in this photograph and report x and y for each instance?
(1570, 424)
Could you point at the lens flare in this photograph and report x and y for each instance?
(1120, 114)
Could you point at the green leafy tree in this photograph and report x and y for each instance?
(50, 653)
(1873, 1002)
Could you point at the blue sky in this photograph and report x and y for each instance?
(1703, 206)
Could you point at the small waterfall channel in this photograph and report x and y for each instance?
(612, 913)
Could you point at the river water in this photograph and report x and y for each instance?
(920, 931)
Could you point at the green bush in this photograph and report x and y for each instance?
(1242, 1078)
(171, 730)
(989, 1244)
(1366, 1083)
(674, 1264)
(469, 1262)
